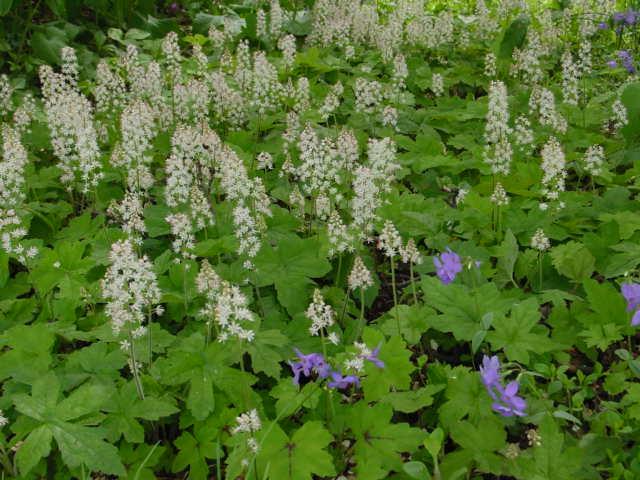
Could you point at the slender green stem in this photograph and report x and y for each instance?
(413, 284)
(361, 322)
(149, 337)
(245, 390)
(395, 294)
(134, 367)
(276, 420)
(540, 271)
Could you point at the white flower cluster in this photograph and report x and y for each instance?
(331, 101)
(619, 118)
(226, 306)
(437, 84)
(321, 316)
(130, 287)
(6, 91)
(130, 214)
(24, 114)
(265, 90)
(553, 171)
(523, 134)
(182, 231)
(191, 101)
(498, 150)
(287, 45)
(389, 240)
(410, 253)
(570, 79)
(368, 95)
(340, 238)
(12, 195)
(539, 241)
(249, 423)
(490, 67)
(526, 61)
(499, 196)
(110, 90)
(189, 171)
(73, 135)
(172, 55)
(14, 161)
(594, 159)
(137, 129)
(360, 276)
(543, 102)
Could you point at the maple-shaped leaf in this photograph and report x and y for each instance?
(79, 445)
(298, 457)
(379, 443)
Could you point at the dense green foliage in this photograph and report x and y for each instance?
(246, 242)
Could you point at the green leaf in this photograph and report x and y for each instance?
(507, 254)
(413, 322)
(520, 333)
(416, 470)
(78, 444)
(204, 368)
(550, 460)
(514, 37)
(264, 352)
(84, 446)
(29, 357)
(298, 458)
(573, 260)
(124, 407)
(46, 45)
(479, 443)
(290, 266)
(193, 452)
(37, 445)
(466, 396)
(413, 400)
(462, 308)
(379, 444)
(397, 369)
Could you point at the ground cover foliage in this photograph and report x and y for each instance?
(328, 240)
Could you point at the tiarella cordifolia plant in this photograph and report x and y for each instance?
(214, 231)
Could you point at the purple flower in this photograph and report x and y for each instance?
(506, 401)
(308, 364)
(603, 25)
(631, 293)
(510, 404)
(341, 382)
(448, 265)
(627, 61)
(612, 64)
(618, 16)
(630, 17)
(373, 358)
(490, 373)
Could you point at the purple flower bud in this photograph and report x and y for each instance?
(341, 382)
(603, 26)
(506, 401)
(308, 364)
(627, 61)
(631, 293)
(612, 64)
(373, 358)
(448, 265)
